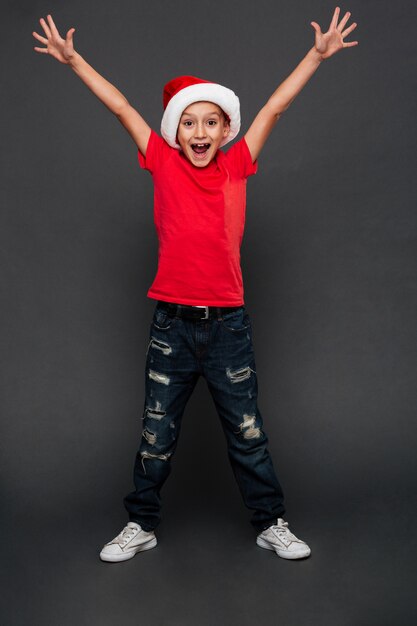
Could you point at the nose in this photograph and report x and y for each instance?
(200, 130)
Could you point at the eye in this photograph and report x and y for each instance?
(212, 122)
(188, 123)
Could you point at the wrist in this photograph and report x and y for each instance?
(74, 59)
(315, 55)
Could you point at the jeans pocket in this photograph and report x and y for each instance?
(236, 321)
(161, 319)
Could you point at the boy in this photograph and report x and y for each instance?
(200, 325)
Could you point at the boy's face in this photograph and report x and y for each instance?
(201, 129)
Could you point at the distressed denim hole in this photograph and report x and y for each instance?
(248, 428)
(159, 378)
(155, 413)
(239, 375)
(160, 345)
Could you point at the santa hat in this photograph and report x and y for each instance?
(182, 91)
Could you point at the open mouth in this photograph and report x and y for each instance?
(200, 149)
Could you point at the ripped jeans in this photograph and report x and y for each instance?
(219, 349)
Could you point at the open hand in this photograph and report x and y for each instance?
(331, 42)
(61, 49)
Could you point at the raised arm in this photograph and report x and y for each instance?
(325, 46)
(63, 50)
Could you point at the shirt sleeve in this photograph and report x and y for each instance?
(156, 150)
(240, 160)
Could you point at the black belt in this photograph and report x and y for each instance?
(195, 312)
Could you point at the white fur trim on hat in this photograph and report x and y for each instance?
(210, 92)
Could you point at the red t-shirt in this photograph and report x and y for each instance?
(199, 216)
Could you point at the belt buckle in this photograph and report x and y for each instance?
(206, 313)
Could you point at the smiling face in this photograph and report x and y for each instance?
(201, 129)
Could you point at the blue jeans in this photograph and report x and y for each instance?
(219, 349)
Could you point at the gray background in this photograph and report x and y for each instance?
(329, 264)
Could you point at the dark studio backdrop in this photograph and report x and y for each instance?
(329, 265)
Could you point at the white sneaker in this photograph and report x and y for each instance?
(132, 539)
(279, 538)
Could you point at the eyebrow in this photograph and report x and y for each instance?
(192, 114)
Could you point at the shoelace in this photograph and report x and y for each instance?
(284, 532)
(127, 533)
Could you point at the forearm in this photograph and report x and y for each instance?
(291, 86)
(111, 97)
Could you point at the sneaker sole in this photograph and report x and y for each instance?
(125, 556)
(284, 554)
